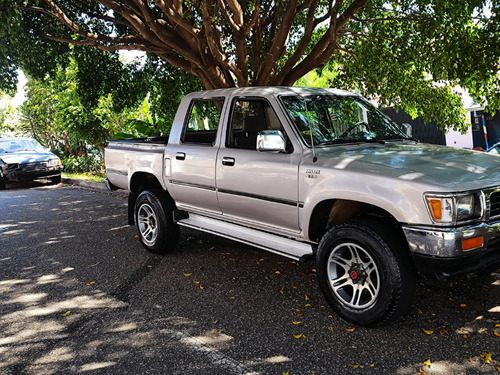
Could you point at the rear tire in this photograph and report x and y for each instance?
(2, 183)
(365, 274)
(153, 218)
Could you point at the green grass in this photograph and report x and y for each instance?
(84, 176)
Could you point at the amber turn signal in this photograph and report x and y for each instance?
(472, 243)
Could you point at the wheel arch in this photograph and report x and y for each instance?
(330, 212)
(139, 182)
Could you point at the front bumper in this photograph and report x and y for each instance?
(440, 251)
(18, 175)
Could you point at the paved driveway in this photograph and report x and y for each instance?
(79, 294)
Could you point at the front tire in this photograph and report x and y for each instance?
(56, 179)
(153, 218)
(365, 274)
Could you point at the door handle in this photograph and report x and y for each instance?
(180, 156)
(228, 161)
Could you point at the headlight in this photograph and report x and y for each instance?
(453, 208)
(54, 162)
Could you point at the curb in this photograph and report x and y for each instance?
(84, 183)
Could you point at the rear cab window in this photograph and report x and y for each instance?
(203, 121)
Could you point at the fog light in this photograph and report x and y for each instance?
(472, 243)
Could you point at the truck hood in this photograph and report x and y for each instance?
(23, 157)
(444, 167)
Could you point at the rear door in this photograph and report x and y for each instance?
(193, 159)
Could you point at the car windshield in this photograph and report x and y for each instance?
(331, 119)
(16, 145)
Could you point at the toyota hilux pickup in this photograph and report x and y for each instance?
(309, 172)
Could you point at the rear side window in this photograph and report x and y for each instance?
(203, 121)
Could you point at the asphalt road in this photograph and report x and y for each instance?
(79, 294)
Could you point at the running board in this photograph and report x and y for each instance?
(266, 241)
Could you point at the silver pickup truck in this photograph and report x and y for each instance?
(306, 172)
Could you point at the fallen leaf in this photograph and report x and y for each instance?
(470, 359)
(314, 270)
(307, 298)
(277, 272)
(215, 322)
(372, 364)
(463, 305)
(300, 336)
(196, 282)
(444, 332)
(66, 313)
(296, 323)
(427, 363)
(307, 305)
(419, 312)
(71, 220)
(496, 333)
(91, 283)
(187, 274)
(465, 336)
(421, 372)
(211, 248)
(136, 236)
(350, 329)
(354, 366)
(486, 357)
(428, 332)
(282, 290)
(286, 373)
(201, 287)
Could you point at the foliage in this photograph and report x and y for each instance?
(93, 162)
(407, 53)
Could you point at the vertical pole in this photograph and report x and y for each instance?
(485, 132)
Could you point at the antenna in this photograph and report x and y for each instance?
(315, 158)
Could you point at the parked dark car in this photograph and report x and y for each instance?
(24, 159)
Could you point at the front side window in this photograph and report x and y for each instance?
(250, 117)
(330, 119)
(203, 121)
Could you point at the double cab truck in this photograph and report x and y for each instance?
(310, 172)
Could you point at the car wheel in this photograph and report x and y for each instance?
(366, 276)
(153, 218)
(2, 183)
(56, 179)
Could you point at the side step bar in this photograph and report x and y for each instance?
(266, 241)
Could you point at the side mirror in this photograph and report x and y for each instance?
(407, 129)
(271, 140)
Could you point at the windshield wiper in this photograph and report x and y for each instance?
(343, 141)
(403, 139)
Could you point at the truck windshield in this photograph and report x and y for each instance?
(330, 119)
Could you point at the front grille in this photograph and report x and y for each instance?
(495, 204)
(31, 167)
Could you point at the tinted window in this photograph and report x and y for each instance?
(203, 121)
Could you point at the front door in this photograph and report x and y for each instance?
(257, 188)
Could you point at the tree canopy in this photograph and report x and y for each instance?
(394, 50)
